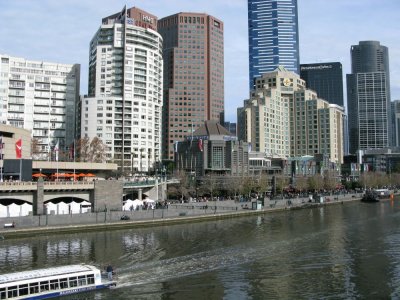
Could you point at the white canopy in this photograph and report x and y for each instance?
(132, 204)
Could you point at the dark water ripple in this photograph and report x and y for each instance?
(347, 251)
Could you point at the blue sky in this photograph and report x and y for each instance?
(60, 31)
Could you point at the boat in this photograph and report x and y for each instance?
(369, 197)
(382, 193)
(53, 282)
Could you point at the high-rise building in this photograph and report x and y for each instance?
(396, 123)
(124, 105)
(326, 79)
(41, 97)
(368, 97)
(284, 119)
(273, 36)
(193, 53)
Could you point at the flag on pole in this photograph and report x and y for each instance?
(56, 149)
(72, 151)
(201, 145)
(18, 148)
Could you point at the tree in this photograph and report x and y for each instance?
(301, 183)
(184, 188)
(330, 181)
(210, 185)
(368, 179)
(234, 185)
(263, 183)
(91, 150)
(281, 183)
(249, 185)
(315, 182)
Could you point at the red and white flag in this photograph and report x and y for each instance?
(201, 145)
(18, 148)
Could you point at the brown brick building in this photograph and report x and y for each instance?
(193, 53)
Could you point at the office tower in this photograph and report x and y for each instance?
(396, 122)
(284, 119)
(273, 36)
(231, 127)
(124, 105)
(193, 53)
(368, 97)
(41, 97)
(326, 79)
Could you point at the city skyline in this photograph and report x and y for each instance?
(61, 31)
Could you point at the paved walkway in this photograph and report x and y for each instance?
(176, 213)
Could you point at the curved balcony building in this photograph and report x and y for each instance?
(124, 104)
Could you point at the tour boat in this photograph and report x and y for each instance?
(52, 282)
(382, 193)
(369, 197)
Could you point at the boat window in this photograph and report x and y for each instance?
(90, 279)
(54, 284)
(64, 283)
(23, 290)
(3, 293)
(34, 288)
(73, 281)
(12, 291)
(44, 286)
(82, 280)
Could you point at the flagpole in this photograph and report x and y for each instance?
(56, 150)
(1, 157)
(73, 153)
(18, 152)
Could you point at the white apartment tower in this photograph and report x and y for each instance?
(124, 105)
(43, 98)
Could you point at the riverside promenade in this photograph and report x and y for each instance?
(173, 214)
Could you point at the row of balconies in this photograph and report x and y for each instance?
(47, 111)
(16, 108)
(16, 93)
(16, 101)
(15, 116)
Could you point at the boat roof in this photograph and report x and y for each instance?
(39, 273)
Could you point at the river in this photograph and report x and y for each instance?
(349, 251)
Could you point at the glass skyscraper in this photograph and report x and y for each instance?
(326, 79)
(368, 97)
(273, 36)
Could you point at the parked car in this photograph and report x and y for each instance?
(125, 217)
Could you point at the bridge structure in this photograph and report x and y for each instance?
(102, 194)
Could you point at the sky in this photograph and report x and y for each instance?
(60, 31)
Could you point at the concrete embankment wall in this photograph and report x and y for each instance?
(45, 224)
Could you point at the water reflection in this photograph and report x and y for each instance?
(342, 251)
